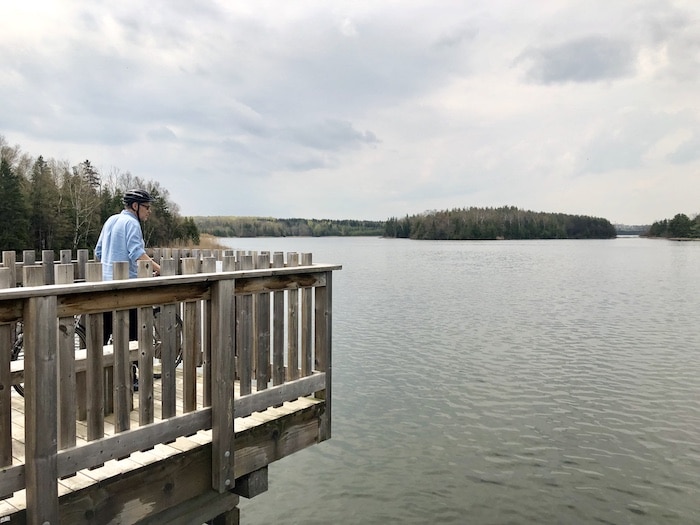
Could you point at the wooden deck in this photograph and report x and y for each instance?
(77, 491)
(254, 386)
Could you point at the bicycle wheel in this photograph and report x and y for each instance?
(18, 348)
(18, 355)
(157, 339)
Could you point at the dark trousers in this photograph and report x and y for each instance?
(133, 326)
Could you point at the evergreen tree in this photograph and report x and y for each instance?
(680, 226)
(14, 233)
(43, 200)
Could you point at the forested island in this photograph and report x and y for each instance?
(507, 222)
(680, 227)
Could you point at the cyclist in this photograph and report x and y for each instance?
(121, 239)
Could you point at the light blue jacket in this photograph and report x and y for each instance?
(121, 239)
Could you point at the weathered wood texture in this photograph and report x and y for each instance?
(245, 361)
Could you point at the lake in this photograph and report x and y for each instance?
(548, 382)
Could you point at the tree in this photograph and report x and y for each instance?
(43, 201)
(680, 226)
(14, 233)
(80, 188)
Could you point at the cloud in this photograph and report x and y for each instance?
(589, 59)
(384, 108)
(330, 135)
(688, 151)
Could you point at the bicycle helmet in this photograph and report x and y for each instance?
(140, 196)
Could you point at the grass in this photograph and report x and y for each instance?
(206, 242)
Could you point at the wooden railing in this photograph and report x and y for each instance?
(259, 327)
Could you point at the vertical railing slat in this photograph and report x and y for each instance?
(228, 264)
(121, 376)
(5, 382)
(146, 351)
(244, 334)
(208, 266)
(323, 339)
(306, 333)
(262, 330)
(64, 274)
(94, 392)
(167, 326)
(190, 347)
(278, 327)
(292, 324)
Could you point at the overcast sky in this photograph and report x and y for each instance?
(367, 109)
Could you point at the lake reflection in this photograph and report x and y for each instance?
(502, 382)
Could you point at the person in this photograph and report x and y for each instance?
(121, 239)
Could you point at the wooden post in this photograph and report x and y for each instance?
(146, 351)
(292, 325)
(83, 256)
(121, 376)
(223, 348)
(5, 382)
(33, 275)
(324, 328)
(190, 346)
(66, 257)
(94, 373)
(177, 257)
(9, 261)
(47, 261)
(64, 274)
(41, 410)
(28, 258)
(306, 333)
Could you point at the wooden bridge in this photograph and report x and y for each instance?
(254, 384)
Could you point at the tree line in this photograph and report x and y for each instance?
(53, 205)
(681, 226)
(507, 222)
(222, 226)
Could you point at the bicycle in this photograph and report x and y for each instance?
(80, 337)
(18, 346)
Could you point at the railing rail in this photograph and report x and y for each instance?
(235, 326)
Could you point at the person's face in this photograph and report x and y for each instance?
(143, 211)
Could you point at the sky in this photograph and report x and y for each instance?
(367, 109)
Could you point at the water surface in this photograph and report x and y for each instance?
(544, 382)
